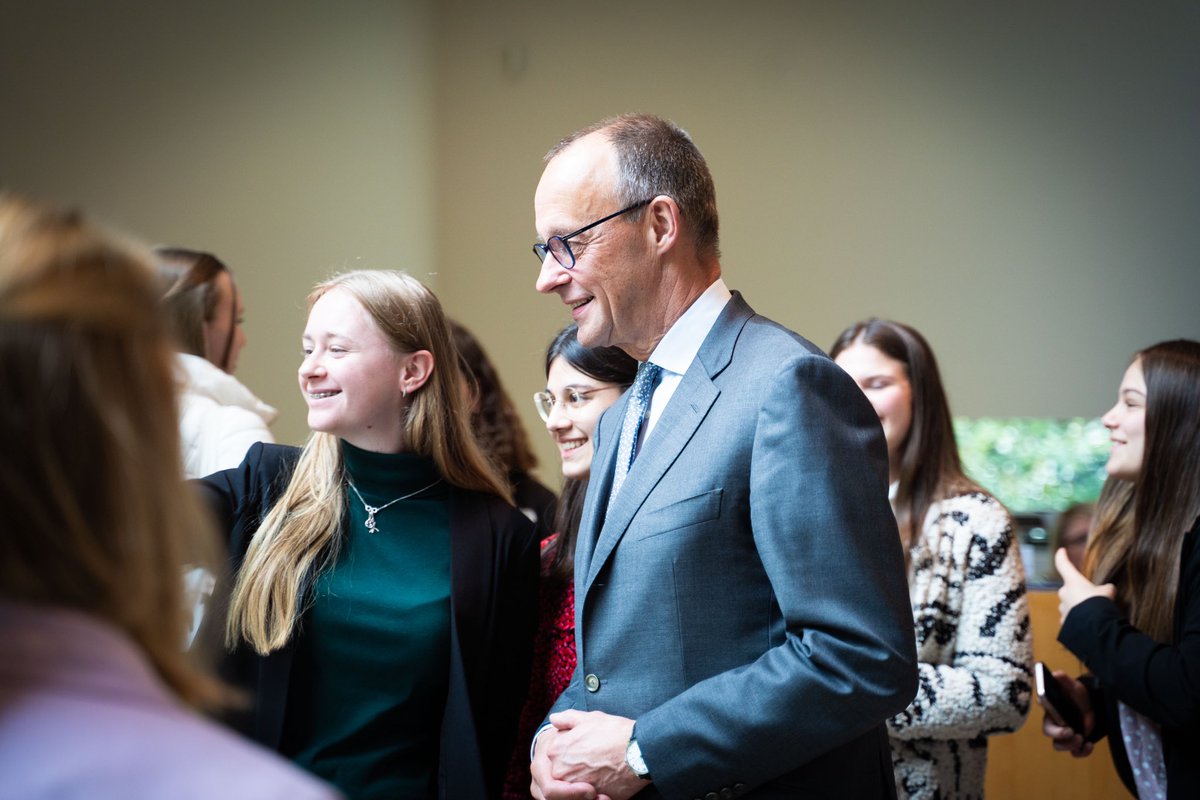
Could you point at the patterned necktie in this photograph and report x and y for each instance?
(635, 413)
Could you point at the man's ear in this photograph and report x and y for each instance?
(663, 230)
(416, 369)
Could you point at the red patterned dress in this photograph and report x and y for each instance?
(553, 663)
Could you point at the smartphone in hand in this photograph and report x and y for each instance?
(1054, 699)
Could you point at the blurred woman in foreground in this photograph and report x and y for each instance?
(94, 688)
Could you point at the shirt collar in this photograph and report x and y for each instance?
(678, 348)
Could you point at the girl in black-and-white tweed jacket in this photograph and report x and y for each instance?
(966, 581)
(967, 587)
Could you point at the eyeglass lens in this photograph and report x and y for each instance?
(557, 245)
(544, 403)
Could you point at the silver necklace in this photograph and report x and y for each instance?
(373, 510)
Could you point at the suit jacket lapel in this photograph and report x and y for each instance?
(608, 432)
(680, 419)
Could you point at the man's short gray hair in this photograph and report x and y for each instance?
(655, 156)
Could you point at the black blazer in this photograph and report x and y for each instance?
(1161, 682)
(493, 605)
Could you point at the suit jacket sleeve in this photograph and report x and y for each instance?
(844, 658)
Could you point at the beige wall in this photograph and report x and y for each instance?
(1020, 182)
(292, 140)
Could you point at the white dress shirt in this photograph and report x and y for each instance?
(678, 348)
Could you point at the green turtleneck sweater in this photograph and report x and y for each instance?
(368, 685)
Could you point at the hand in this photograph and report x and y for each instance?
(1066, 738)
(589, 747)
(1076, 588)
(544, 785)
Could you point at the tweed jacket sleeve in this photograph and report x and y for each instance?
(967, 587)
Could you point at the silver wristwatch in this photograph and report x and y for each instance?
(634, 760)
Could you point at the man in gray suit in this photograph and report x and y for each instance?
(742, 615)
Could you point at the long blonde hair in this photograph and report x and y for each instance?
(300, 535)
(96, 515)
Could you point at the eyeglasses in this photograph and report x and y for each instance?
(572, 401)
(557, 245)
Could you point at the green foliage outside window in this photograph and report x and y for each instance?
(1034, 464)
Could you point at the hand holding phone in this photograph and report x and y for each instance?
(1054, 699)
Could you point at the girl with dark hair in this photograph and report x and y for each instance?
(219, 417)
(966, 580)
(1133, 615)
(581, 383)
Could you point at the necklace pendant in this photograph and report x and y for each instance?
(373, 510)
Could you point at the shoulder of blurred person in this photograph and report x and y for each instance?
(219, 417)
(80, 689)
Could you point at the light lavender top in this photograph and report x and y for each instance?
(83, 715)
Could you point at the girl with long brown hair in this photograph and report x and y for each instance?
(965, 576)
(385, 591)
(1133, 615)
(499, 430)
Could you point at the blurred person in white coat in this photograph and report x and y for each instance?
(219, 417)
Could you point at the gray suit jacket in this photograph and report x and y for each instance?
(745, 600)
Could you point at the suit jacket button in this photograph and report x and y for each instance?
(591, 682)
(726, 793)
(712, 796)
(739, 788)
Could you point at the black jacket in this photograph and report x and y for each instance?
(1161, 682)
(493, 601)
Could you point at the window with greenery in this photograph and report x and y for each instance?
(1034, 465)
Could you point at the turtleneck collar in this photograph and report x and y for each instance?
(382, 476)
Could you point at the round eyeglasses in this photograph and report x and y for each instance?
(557, 245)
(572, 401)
